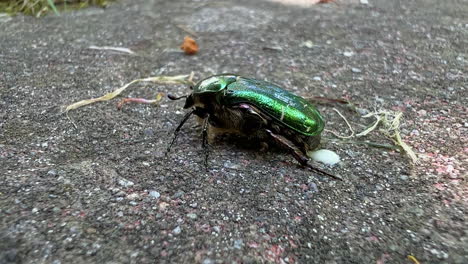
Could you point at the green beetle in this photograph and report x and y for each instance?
(229, 103)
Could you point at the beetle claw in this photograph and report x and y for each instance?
(323, 172)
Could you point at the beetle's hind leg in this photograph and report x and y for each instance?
(298, 154)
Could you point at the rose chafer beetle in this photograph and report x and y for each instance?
(229, 103)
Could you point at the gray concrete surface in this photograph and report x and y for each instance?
(103, 192)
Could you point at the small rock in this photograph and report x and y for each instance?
(34, 210)
(148, 132)
(414, 132)
(362, 111)
(348, 53)
(178, 194)
(217, 229)
(154, 194)
(313, 187)
(75, 229)
(52, 173)
(426, 232)
(422, 112)
(192, 216)
(193, 205)
(418, 212)
(379, 100)
(133, 196)
(356, 70)
(238, 243)
(163, 205)
(317, 78)
(208, 261)
(125, 182)
(120, 194)
(177, 230)
(308, 44)
(228, 164)
(440, 254)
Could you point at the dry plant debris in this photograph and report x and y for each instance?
(389, 122)
(189, 46)
(178, 79)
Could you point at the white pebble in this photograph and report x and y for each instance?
(154, 194)
(348, 53)
(324, 156)
(125, 182)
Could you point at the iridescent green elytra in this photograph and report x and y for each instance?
(287, 108)
(229, 103)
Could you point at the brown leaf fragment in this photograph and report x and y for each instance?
(189, 46)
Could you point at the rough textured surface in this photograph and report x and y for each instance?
(103, 192)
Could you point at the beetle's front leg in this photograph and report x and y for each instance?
(176, 132)
(205, 145)
(297, 153)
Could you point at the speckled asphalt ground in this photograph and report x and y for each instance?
(104, 193)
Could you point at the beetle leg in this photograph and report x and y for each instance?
(205, 144)
(297, 153)
(176, 132)
(263, 146)
(253, 120)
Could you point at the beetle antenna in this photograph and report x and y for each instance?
(173, 97)
(176, 131)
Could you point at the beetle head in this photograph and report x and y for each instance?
(214, 83)
(189, 102)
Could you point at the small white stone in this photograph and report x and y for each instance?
(324, 156)
(348, 53)
(308, 44)
(317, 78)
(133, 196)
(177, 230)
(154, 194)
(125, 182)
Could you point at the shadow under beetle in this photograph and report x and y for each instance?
(229, 103)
